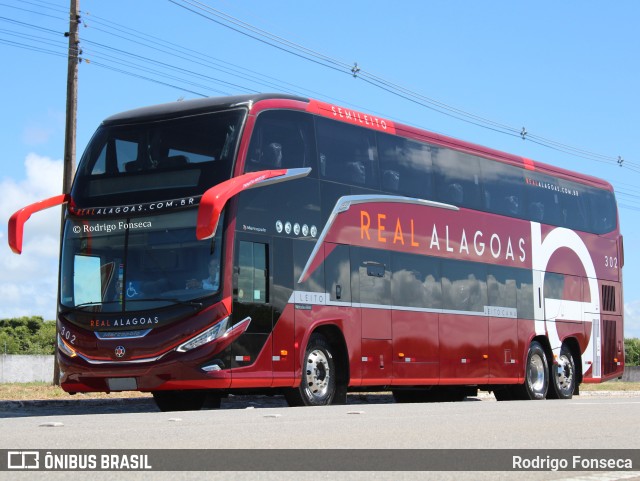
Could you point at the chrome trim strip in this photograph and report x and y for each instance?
(291, 174)
(100, 335)
(132, 361)
(345, 202)
(243, 324)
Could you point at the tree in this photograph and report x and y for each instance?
(27, 335)
(632, 351)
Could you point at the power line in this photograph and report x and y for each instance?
(270, 39)
(117, 62)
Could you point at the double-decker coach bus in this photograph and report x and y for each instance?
(277, 243)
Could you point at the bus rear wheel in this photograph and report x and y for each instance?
(536, 378)
(563, 375)
(318, 383)
(188, 400)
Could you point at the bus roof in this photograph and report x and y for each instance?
(191, 107)
(209, 104)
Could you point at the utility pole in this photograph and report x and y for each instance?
(70, 124)
(72, 96)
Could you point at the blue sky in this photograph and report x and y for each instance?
(567, 71)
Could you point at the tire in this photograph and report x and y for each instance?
(318, 385)
(563, 375)
(189, 400)
(536, 378)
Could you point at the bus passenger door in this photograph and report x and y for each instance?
(374, 279)
(284, 311)
(251, 354)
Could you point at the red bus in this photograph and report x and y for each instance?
(287, 245)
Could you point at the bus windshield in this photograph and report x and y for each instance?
(138, 263)
(179, 157)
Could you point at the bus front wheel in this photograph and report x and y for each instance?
(318, 383)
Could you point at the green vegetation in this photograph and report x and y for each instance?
(27, 335)
(632, 351)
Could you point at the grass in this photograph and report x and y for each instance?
(611, 386)
(41, 391)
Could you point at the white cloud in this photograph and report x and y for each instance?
(28, 283)
(632, 319)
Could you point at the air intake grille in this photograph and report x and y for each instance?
(609, 298)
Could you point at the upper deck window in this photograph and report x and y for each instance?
(347, 154)
(165, 159)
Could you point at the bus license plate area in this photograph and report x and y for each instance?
(122, 383)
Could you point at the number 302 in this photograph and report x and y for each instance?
(66, 334)
(611, 262)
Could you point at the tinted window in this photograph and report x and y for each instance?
(165, 159)
(543, 198)
(252, 275)
(503, 188)
(416, 281)
(553, 285)
(338, 273)
(405, 167)
(464, 286)
(574, 202)
(603, 211)
(510, 287)
(281, 139)
(302, 251)
(347, 153)
(375, 277)
(457, 178)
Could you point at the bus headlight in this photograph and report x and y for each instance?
(65, 348)
(204, 337)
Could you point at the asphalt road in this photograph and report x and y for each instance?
(367, 422)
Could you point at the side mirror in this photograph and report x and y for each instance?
(17, 220)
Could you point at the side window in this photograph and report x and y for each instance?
(464, 286)
(574, 203)
(347, 153)
(553, 285)
(337, 269)
(415, 281)
(501, 287)
(603, 211)
(512, 288)
(457, 178)
(253, 276)
(281, 139)
(543, 199)
(405, 167)
(565, 287)
(503, 188)
(375, 277)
